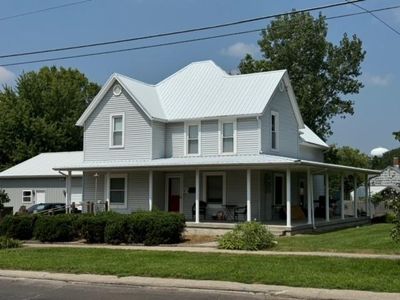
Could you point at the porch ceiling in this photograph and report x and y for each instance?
(261, 161)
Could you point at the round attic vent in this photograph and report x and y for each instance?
(281, 86)
(117, 90)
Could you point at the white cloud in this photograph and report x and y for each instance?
(6, 77)
(379, 80)
(240, 49)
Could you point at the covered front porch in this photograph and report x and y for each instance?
(286, 197)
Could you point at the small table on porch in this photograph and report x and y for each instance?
(229, 210)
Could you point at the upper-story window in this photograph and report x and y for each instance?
(117, 131)
(274, 130)
(193, 139)
(227, 136)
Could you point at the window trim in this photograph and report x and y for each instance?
(125, 204)
(221, 122)
(276, 115)
(186, 138)
(111, 139)
(31, 196)
(223, 174)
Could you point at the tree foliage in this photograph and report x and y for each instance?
(396, 135)
(4, 198)
(322, 74)
(39, 114)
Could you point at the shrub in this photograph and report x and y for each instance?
(247, 236)
(58, 228)
(92, 227)
(115, 231)
(390, 217)
(154, 228)
(17, 227)
(7, 243)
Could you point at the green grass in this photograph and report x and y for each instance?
(366, 239)
(318, 272)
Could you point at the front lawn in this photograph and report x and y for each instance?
(318, 272)
(365, 239)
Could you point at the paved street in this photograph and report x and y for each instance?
(16, 289)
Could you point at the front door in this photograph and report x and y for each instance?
(174, 194)
(40, 197)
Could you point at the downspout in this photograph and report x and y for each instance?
(259, 135)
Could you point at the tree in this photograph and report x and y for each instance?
(346, 156)
(396, 135)
(39, 114)
(322, 73)
(3, 198)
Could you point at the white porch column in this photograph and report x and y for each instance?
(248, 181)
(367, 205)
(68, 193)
(327, 197)
(288, 199)
(150, 190)
(355, 206)
(197, 200)
(342, 196)
(310, 191)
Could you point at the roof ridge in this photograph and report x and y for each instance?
(134, 79)
(256, 73)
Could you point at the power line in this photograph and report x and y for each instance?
(175, 42)
(158, 35)
(376, 17)
(43, 10)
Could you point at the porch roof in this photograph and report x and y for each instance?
(255, 161)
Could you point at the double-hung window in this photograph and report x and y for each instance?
(193, 139)
(117, 131)
(274, 130)
(118, 190)
(227, 137)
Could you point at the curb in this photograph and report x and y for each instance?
(220, 286)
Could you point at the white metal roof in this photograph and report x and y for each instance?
(308, 136)
(201, 90)
(42, 165)
(258, 160)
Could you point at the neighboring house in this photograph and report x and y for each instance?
(34, 180)
(389, 178)
(207, 144)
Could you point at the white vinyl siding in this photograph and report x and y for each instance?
(174, 140)
(247, 136)
(137, 128)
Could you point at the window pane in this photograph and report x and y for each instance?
(273, 123)
(117, 197)
(193, 132)
(193, 147)
(27, 193)
(214, 189)
(117, 140)
(227, 145)
(26, 199)
(117, 183)
(273, 142)
(117, 123)
(227, 129)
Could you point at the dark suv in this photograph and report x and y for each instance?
(47, 208)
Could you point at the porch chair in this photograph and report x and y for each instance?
(202, 209)
(237, 211)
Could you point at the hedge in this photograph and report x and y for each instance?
(150, 228)
(18, 227)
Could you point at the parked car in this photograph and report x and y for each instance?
(47, 208)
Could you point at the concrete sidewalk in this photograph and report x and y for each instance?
(204, 249)
(268, 290)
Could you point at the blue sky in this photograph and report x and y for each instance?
(377, 108)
